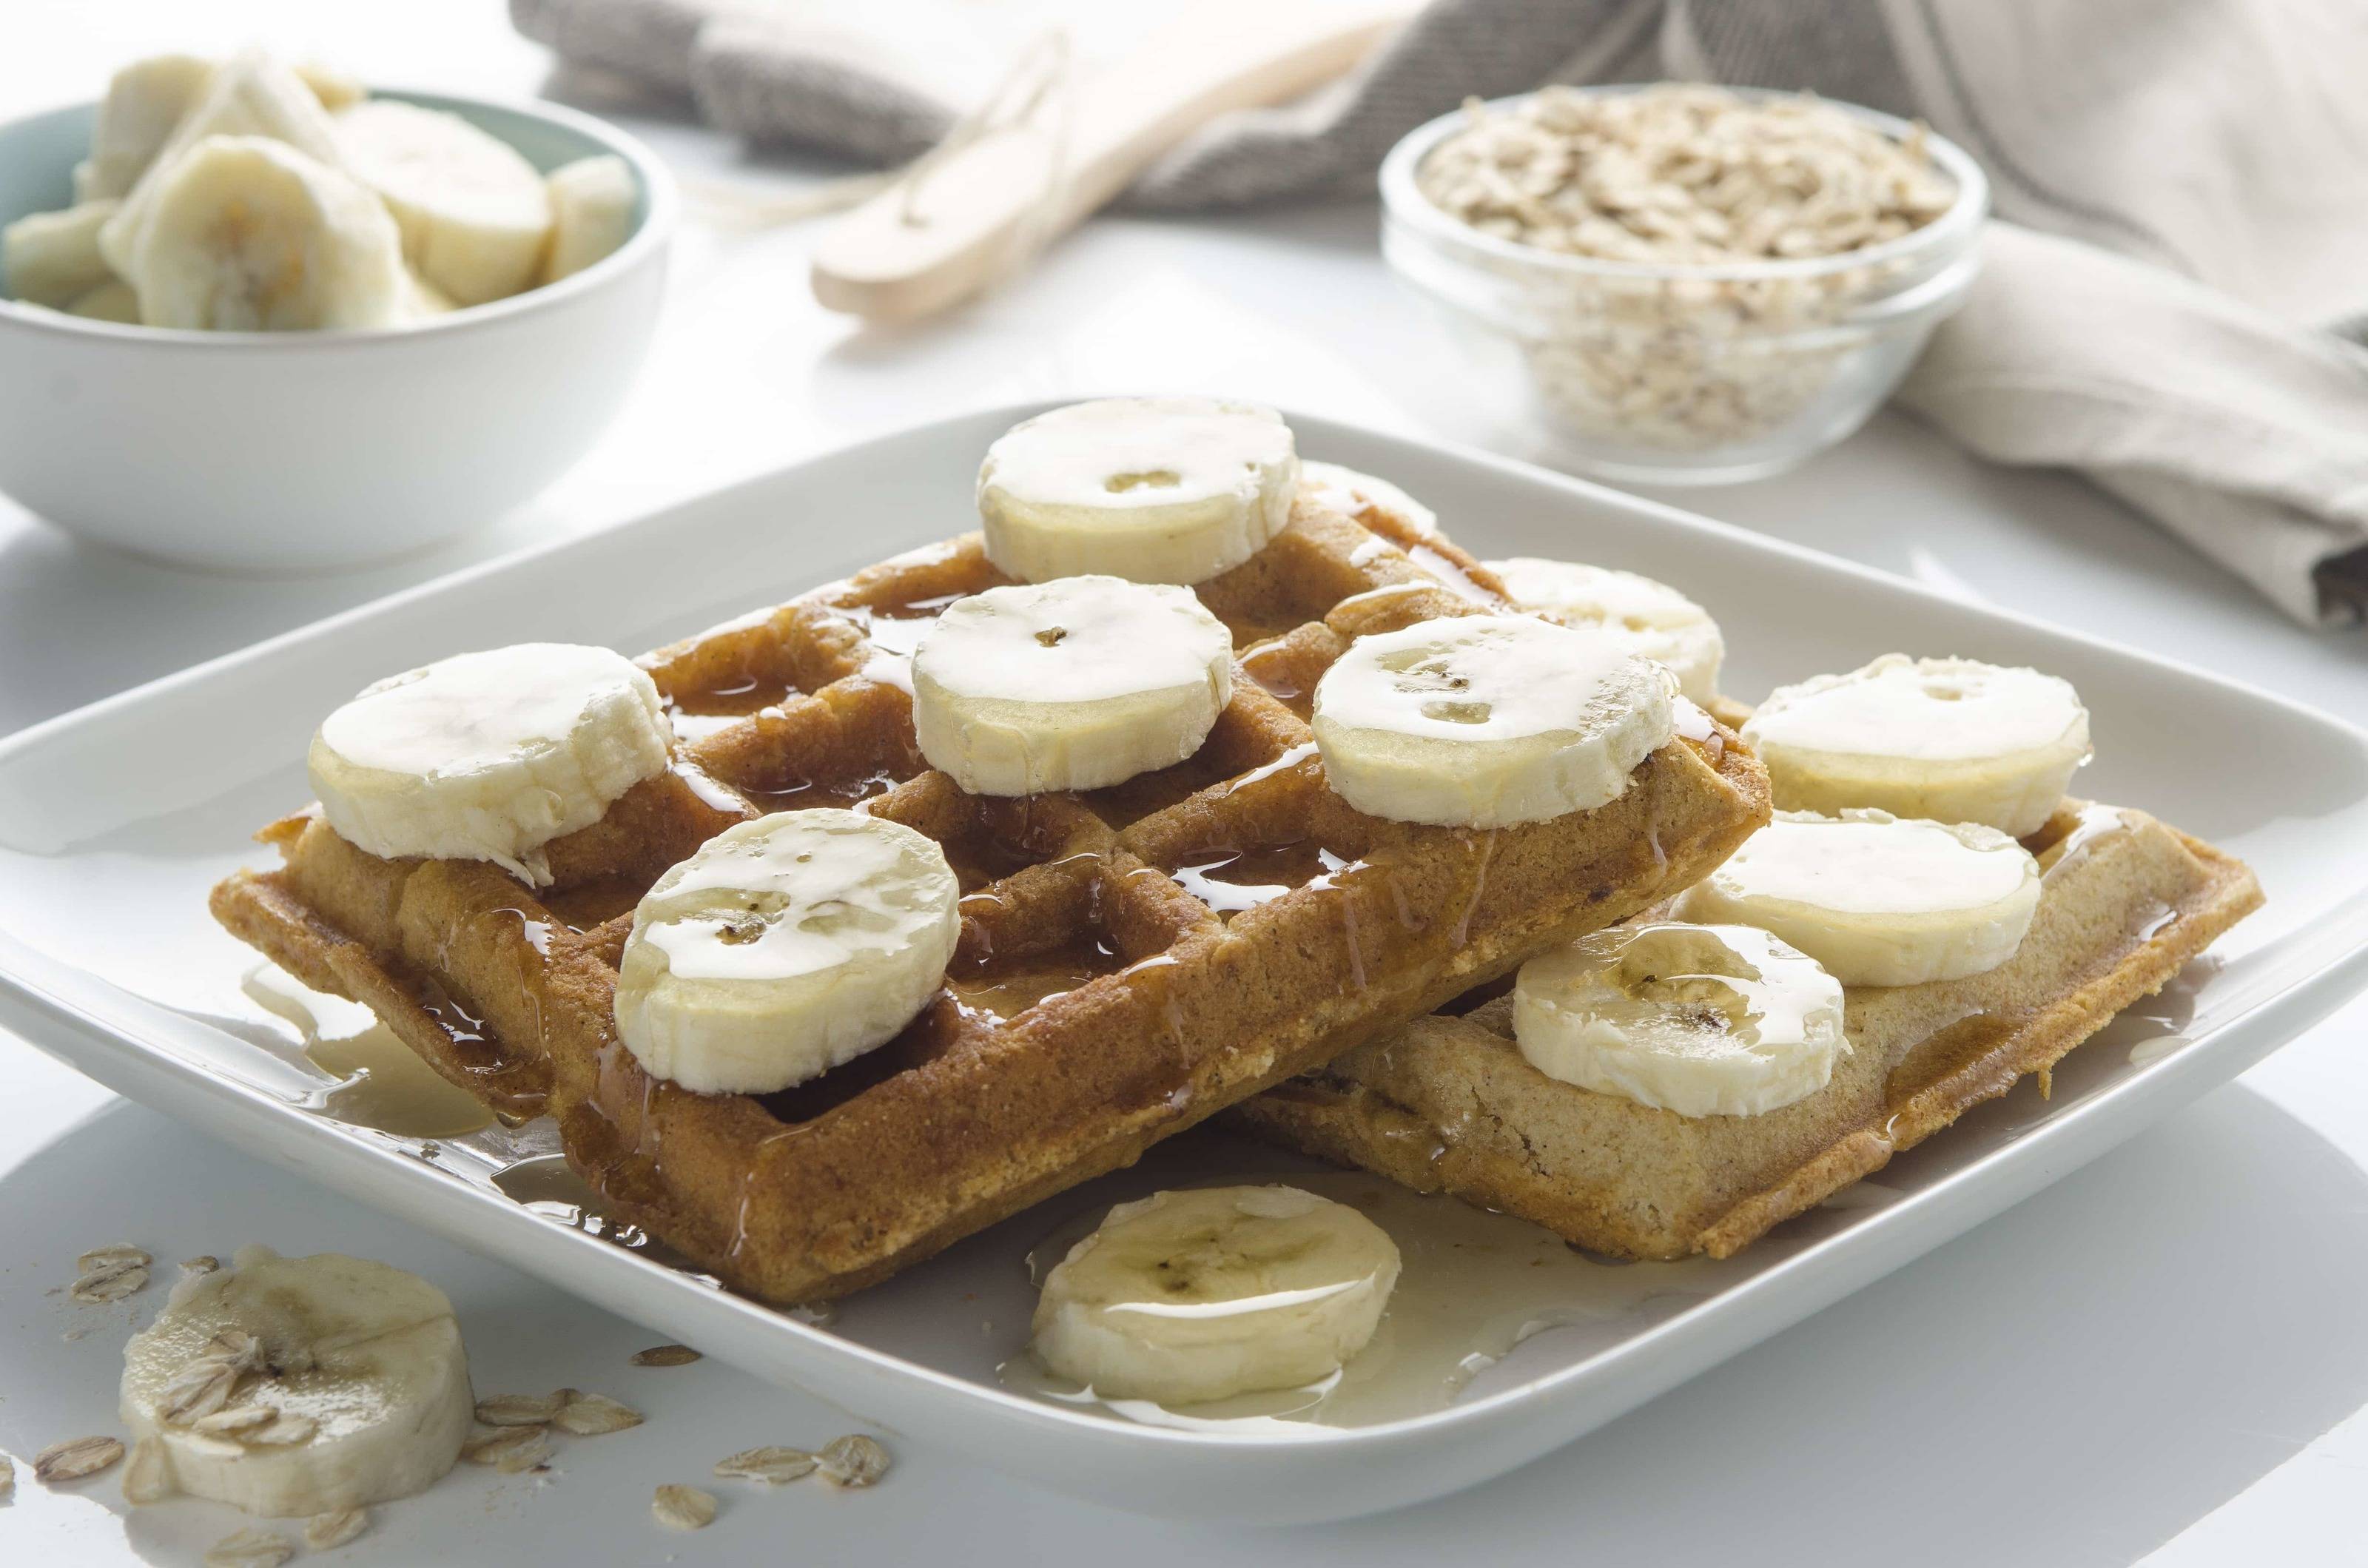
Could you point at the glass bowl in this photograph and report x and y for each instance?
(1686, 374)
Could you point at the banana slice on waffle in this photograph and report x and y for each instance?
(1348, 491)
(488, 756)
(1949, 739)
(1198, 1295)
(1153, 489)
(245, 234)
(783, 948)
(290, 1386)
(1076, 684)
(474, 214)
(1878, 900)
(1487, 720)
(1702, 1021)
(1650, 616)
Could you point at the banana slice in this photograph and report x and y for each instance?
(332, 89)
(1948, 739)
(489, 755)
(785, 946)
(474, 214)
(52, 258)
(593, 202)
(288, 1386)
(253, 94)
(1702, 1021)
(145, 103)
(1486, 720)
(1345, 490)
(1878, 900)
(1651, 617)
(422, 300)
(1204, 1294)
(1154, 489)
(1076, 684)
(114, 300)
(247, 234)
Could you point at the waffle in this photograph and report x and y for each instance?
(1450, 1104)
(1131, 960)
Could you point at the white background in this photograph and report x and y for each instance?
(2165, 1350)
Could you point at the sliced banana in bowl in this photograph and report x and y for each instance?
(1153, 489)
(1878, 900)
(1702, 1021)
(1202, 1294)
(1953, 740)
(1487, 720)
(474, 214)
(1652, 617)
(489, 755)
(1076, 684)
(291, 1386)
(783, 948)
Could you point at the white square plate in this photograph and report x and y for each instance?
(115, 820)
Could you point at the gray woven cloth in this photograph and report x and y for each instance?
(2198, 170)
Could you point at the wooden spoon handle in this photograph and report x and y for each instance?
(913, 250)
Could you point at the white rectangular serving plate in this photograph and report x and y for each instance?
(115, 820)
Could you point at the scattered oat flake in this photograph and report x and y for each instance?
(112, 1280)
(204, 1263)
(198, 1389)
(772, 1464)
(683, 1507)
(237, 1418)
(250, 1548)
(665, 1356)
(498, 1446)
(852, 1461)
(145, 1479)
(519, 1409)
(595, 1415)
(7, 1477)
(285, 1428)
(75, 1457)
(323, 1531)
(237, 1347)
(121, 1252)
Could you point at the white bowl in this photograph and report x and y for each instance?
(308, 452)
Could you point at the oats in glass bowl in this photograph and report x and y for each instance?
(1695, 283)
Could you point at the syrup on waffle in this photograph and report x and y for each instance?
(1450, 1104)
(1131, 960)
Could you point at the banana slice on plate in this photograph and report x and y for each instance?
(52, 258)
(1345, 490)
(1154, 489)
(1878, 900)
(1651, 617)
(592, 205)
(253, 94)
(1076, 684)
(1487, 720)
(289, 1386)
(783, 948)
(1204, 1294)
(474, 213)
(1949, 739)
(247, 234)
(1702, 1021)
(488, 756)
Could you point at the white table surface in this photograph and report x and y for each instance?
(2165, 1353)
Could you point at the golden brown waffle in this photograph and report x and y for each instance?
(1131, 960)
(1450, 1104)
